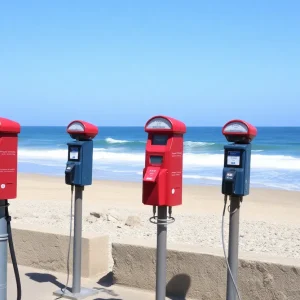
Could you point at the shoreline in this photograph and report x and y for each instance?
(278, 206)
(21, 174)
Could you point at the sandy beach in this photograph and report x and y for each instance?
(269, 223)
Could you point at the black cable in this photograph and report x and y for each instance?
(12, 252)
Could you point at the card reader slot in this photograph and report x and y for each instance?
(229, 182)
(69, 174)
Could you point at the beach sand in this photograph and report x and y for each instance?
(269, 219)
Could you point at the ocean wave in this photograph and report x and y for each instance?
(190, 160)
(212, 178)
(114, 141)
(258, 161)
(277, 185)
(191, 144)
(124, 171)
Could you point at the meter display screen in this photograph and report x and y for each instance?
(233, 158)
(74, 153)
(156, 160)
(159, 139)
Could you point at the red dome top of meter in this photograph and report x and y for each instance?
(165, 124)
(8, 126)
(239, 131)
(82, 130)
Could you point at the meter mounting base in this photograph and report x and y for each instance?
(84, 293)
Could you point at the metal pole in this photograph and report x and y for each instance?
(78, 292)
(3, 251)
(161, 253)
(76, 288)
(233, 249)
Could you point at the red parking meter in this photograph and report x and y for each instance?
(162, 183)
(162, 175)
(9, 131)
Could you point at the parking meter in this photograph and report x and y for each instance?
(78, 173)
(80, 153)
(9, 131)
(162, 183)
(235, 184)
(237, 158)
(162, 175)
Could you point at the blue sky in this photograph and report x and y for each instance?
(121, 62)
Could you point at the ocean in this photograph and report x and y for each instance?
(119, 154)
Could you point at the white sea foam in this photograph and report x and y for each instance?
(190, 160)
(257, 161)
(277, 185)
(114, 141)
(123, 171)
(99, 149)
(188, 144)
(197, 144)
(213, 178)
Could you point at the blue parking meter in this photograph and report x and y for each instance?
(236, 172)
(80, 153)
(237, 158)
(235, 184)
(78, 173)
(80, 163)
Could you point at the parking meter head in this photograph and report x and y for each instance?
(9, 131)
(81, 130)
(162, 174)
(238, 131)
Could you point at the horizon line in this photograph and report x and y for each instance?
(197, 126)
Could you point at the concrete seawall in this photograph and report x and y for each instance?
(202, 275)
(48, 250)
(193, 272)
